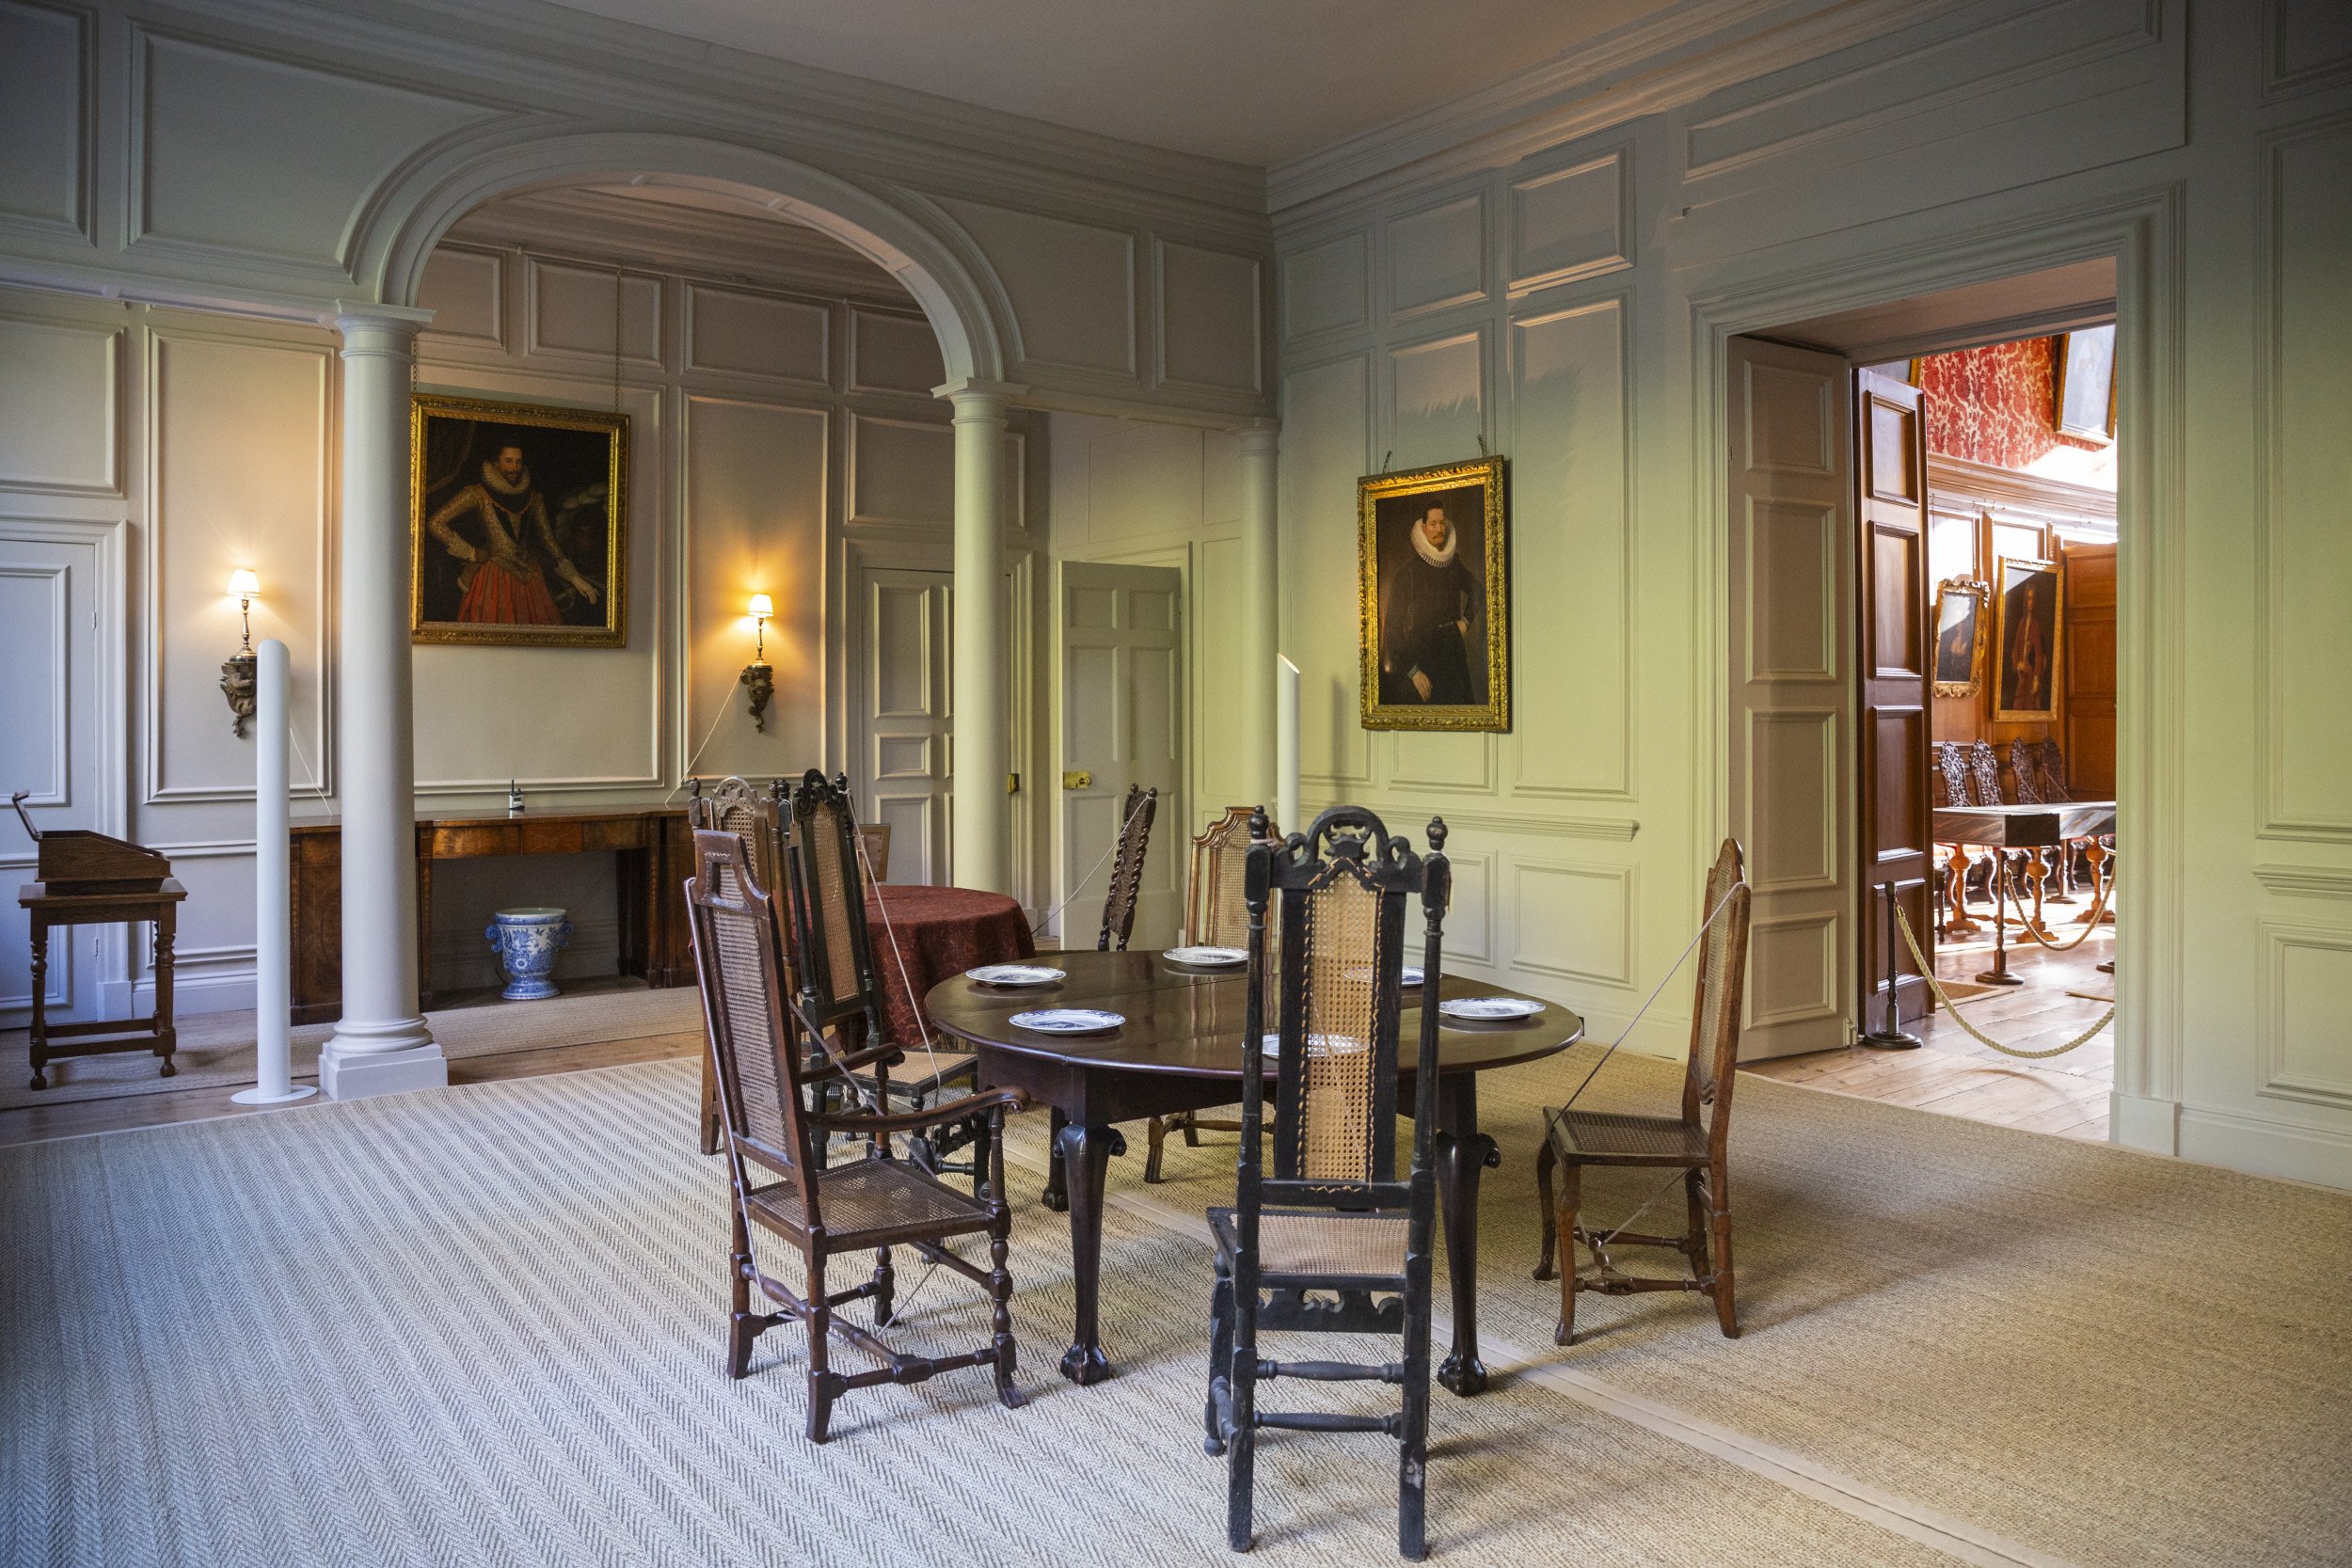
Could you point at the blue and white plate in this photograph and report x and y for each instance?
(1014, 974)
(1490, 1010)
(1207, 958)
(1069, 1020)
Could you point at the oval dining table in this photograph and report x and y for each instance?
(1180, 1049)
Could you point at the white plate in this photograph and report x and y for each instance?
(1014, 974)
(1206, 958)
(1069, 1020)
(1408, 975)
(1490, 1010)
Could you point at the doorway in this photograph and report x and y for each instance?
(1923, 553)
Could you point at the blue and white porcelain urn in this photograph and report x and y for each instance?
(526, 942)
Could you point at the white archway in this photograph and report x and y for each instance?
(408, 216)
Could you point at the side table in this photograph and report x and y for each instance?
(106, 1036)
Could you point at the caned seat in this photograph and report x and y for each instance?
(1625, 1140)
(1332, 1216)
(1301, 1245)
(870, 1202)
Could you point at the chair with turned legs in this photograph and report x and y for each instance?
(761, 1046)
(1696, 1142)
(1215, 916)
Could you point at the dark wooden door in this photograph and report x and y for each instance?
(1892, 649)
(2089, 636)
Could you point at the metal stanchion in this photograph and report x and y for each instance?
(1892, 1037)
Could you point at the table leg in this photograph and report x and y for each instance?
(1957, 922)
(39, 1032)
(167, 1035)
(1462, 1153)
(1086, 1156)
(1056, 1194)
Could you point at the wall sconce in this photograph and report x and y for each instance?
(237, 680)
(756, 675)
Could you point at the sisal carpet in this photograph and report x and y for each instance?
(482, 1325)
(216, 1050)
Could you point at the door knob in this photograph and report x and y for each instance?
(1077, 781)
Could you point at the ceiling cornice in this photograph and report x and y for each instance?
(578, 64)
(1645, 68)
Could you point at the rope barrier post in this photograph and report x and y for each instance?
(1892, 1037)
(2000, 879)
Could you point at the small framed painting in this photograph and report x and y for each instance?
(2082, 376)
(2026, 641)
(1430, 563)
(517, 524)
(1960, 624)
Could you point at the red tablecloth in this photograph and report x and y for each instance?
(922, 935)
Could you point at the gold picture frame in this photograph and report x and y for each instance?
(517, 524)
(1960, 622)
(1436, 629)
(2031, 606)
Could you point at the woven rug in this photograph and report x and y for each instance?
(216, 1050)
(482, 1325)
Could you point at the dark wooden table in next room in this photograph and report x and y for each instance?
(1180, 1049)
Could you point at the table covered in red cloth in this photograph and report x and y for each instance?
(939, 932)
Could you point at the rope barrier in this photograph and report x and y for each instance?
(1927, 972)
(2090, 923)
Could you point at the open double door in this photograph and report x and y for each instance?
(1830, 689)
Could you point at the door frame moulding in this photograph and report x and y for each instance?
(2144, 230)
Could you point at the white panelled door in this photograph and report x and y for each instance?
(903, 718)
(1791, 501)
(1122, 661)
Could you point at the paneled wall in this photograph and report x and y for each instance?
(1558, 274)
(146, 453)
(1503, 314)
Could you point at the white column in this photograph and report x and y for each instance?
(381, 1046)
(981, 810)
(1260, 617)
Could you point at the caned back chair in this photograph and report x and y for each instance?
(837, 968)
(1696, 1141)
(1126, 885)
(736, 806)
(1333, 1215)
(1216, 915)
(767, 1056)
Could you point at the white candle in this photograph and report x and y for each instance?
(272, 888)
(1286, 746)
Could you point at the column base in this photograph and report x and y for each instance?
(358, 1074)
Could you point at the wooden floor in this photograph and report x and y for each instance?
(1955, 1074)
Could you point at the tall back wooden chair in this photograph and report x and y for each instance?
(1126, 885)
(1216, 915)
(761, 1058)
(736, 806)
(838, 965)
(1333, 1215)
(1984, 770)
(1695, 1142)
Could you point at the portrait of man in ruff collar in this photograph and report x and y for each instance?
(517, 520)
(1433, 605)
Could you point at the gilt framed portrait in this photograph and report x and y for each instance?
(1959, 626)
(2026, 650)
(1430, 563)
(518, 523)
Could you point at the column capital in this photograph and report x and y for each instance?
(1260, 437)
(368, 328)
(975, 398)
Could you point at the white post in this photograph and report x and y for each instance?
(381, 1045)
(1286, 746)
(979, 811)
(273, 890)
(1261, 613)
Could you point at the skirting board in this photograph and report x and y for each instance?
(2150, 1126)
(2266, 1147)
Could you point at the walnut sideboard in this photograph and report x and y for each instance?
(650, 847)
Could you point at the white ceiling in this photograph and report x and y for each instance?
(1254, 81)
